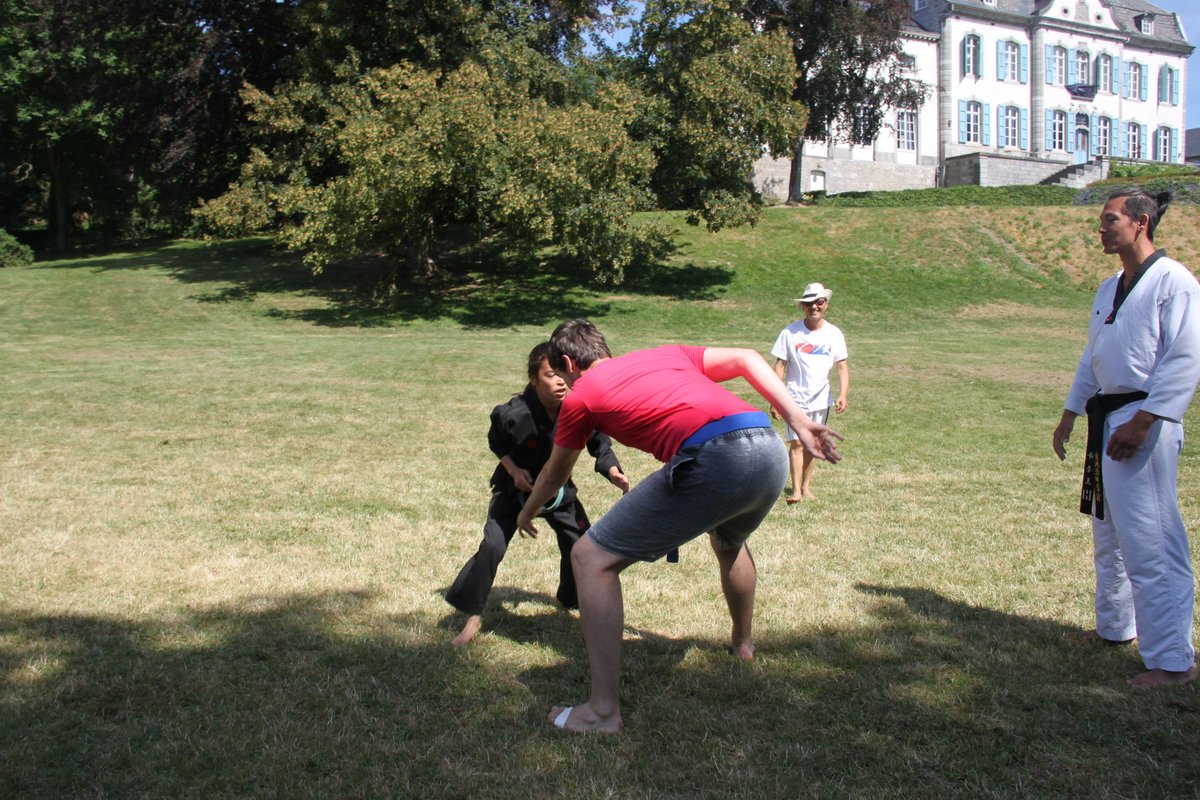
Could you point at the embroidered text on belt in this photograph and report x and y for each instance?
(1098, 407)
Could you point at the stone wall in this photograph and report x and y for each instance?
(843, 174)
(988, 169)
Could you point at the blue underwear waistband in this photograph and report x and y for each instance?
(734, 422)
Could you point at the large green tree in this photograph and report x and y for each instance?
(722, 95)
(849, 69)
(512, 135)
(119, 114)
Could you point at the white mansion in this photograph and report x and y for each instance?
(1019, 91)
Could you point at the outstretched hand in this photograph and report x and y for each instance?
(821, 442)
(618, 479)
(525, 524)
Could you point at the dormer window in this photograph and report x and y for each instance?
(1146, 24)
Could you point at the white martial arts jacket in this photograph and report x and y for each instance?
(1152, 345)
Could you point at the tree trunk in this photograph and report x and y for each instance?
(796, 179)
(58, 201)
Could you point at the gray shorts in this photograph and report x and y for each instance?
(724, 486)
(820, 416)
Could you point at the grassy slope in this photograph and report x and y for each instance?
(229, 501)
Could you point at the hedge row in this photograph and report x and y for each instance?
(997, 196)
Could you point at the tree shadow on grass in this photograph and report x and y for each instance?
(477, 284)
(317, 695)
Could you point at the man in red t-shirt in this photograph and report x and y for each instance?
(724, 469)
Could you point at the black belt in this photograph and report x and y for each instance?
(1098, 407)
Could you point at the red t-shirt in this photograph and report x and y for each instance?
(650, 399)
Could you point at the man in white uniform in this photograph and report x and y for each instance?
(805, 352)
(1135, 381)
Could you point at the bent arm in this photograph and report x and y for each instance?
(549, 480)
(723, 363)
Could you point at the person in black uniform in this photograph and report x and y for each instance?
(522, 436)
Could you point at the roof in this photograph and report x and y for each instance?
(1166, 26)
(1125, 13)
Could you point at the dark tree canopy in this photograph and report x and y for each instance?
(848, 65)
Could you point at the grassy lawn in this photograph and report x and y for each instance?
(231, 497)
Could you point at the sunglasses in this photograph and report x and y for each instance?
(820, 301)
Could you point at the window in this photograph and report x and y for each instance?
(1083, 66)
(864, 125)
(919, 5)
(906, 130)
(907, 63)
(1162, 144)
(1103, 136)
(1133, 140)
(1010, 126)
(974, 123)
(972, 51)
(1058, 131)
(1012, 61)
(1168, 86)
(1134, 88)
(1060, 66)
(1146, 23)
(1104, 73)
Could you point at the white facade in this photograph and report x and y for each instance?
(1033, 86)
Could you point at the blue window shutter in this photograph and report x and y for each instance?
(1001, 66)
(1175, 75)
(1124, 129)
(986, 119)
(1024, 129)
(962, 121)
(1049, 64)
(1164, 74)
(1072, 67)
(1049, 129)
(1001, 140)
(1125, 80)
(978, 65)
(962, 55)
(1024, 63)
(1144, 141)
(1145, 87)
(1114, 76)
(1174, 144)
(1094, 139)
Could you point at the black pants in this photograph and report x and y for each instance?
(470, 590)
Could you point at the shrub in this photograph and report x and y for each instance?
(994, 196)
(1150, 170)
(1185, 190)
(12, 252)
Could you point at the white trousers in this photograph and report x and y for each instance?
(1144, 584)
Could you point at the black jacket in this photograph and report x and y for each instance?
(521, 429)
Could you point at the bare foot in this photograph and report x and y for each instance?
(1158, 678)
(792, 500)
(745, 652)
(474, 621)
(807, 494)
(1093, 635)
(581, 719)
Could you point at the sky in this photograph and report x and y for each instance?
(1189, 12)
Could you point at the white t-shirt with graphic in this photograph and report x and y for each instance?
(810, 355)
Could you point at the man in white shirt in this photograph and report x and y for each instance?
(1135, 380)
(805, 352)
